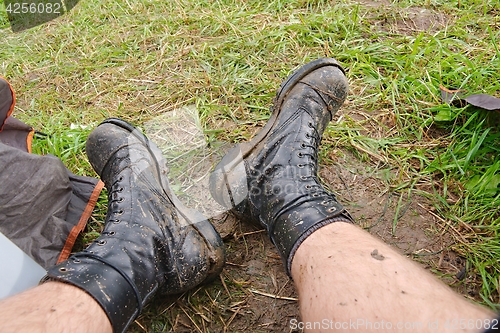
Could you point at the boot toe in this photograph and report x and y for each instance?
(331, 84)
(103, 143)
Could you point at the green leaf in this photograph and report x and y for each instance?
(444, 115)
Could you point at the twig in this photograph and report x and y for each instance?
(225, 286)
(232, 317)
(273, 296)
(191, 319)
(233, 264)
(223, 323)
(372, 154)
(254, 232)
(139, 324)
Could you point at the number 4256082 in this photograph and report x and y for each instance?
(34, 8)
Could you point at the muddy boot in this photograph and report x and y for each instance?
(272, 180)
(150, 243)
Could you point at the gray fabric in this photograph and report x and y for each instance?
(82, 188)
(41, 202)
(35, 192)
(484, 101)
(6, 100)
(15, 134)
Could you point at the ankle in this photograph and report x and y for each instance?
(120, 298)
(289, 255)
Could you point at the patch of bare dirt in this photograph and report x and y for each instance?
(394, 19)
(407, 223)
(417, 19)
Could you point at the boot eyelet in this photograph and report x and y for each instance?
(304, 178)
(303, 145)
(331, 209)
(299, 154)
(324, 202)
(120, 212)
(308, 187)
(111, 233)
(310, 124)
(120, 190)
(63, 269)
(101, 242)
(268, 171)
(77, 261)
(120, 199)
(308, 135)
(315, 195)
(116, 221)
(300, 166)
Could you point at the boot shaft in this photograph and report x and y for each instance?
(150, 243)
(272, 180)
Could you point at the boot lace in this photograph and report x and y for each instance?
(310, 149)
(114, 197)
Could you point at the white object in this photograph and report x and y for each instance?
(18, 271)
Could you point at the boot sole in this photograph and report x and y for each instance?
(235, 156)
(196, 219)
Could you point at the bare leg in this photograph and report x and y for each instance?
(53, 307)
(342, 279)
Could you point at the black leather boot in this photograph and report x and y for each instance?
(151, 243)
(272, 180)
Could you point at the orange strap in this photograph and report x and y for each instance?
(77, 229)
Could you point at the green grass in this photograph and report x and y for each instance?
(138, 60)
(4, 21)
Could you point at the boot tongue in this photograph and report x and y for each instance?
(122, 157)
(306, 102)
